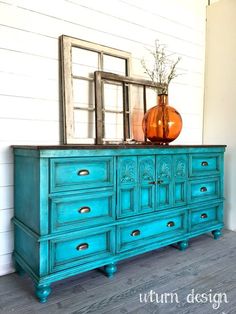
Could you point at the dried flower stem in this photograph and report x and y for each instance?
(163, 70)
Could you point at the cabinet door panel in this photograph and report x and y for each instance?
(146, 196)
(180, 189)
(127, 199)
(127, 202)
(164, 182)
(180, 171)
(146, 186)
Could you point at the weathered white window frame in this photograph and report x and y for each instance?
(66, 45)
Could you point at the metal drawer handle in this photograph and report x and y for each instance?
(84, 210)
(203, 216)
(160, 181)
(135, 233)
(152, 182)
(83, 172)
(170, 224)
(82, 247)
(203, 189)
(204, 163)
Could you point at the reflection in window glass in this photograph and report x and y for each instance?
(137, 112)
(114, 65)
(83, 93)
(151, 97)
(84, 62)
(113, 126)
(113, 97)
(84, 124)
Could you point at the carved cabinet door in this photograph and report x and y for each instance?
(147, 181)
(180, 180)
(127, 181)
(164, 181)
(136, 185)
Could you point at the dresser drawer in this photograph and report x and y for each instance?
(204, 164)
(77, 250)
(82, 210)
(80, 173)
(206, 216)
(143, 233)
(202, 190)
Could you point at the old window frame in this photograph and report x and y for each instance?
(99, 78)
(66, 74)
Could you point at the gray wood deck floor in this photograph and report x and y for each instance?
(207, 266)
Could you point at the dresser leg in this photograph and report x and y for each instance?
(217, 234)
(19, 270)
(183, 245)
(42, 292)
(110, 270)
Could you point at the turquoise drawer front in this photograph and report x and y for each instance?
(205, 216)
(140, 234)
(204, 164)
(80, 173)
(82, 210)
(202, 190)
(81, 249)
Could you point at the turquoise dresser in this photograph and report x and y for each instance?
(82, 207)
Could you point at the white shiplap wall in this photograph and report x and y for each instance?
(29, 93)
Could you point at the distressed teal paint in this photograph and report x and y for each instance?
(137, 199)
(75, 211)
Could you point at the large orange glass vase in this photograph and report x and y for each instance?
(162, 123)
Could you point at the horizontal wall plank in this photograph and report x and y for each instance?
(5, 220)
(187, 13)
(145, 18)
(6, 199)
(65, 19)
(6, 264)
(29, 130)
(6, 177)
(28, 65)
(6, 240)
(29, 108)
(36, 87)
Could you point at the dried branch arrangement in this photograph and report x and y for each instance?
(164, 70)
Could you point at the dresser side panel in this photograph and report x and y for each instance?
(26, 191)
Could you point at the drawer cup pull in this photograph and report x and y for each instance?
(204, 216)
(203, 189)
(82, 247)
(83, 172)
(84, 210)
(170, 224)
(135, 233)
(204, 164)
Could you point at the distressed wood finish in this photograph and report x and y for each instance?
(61, 229)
